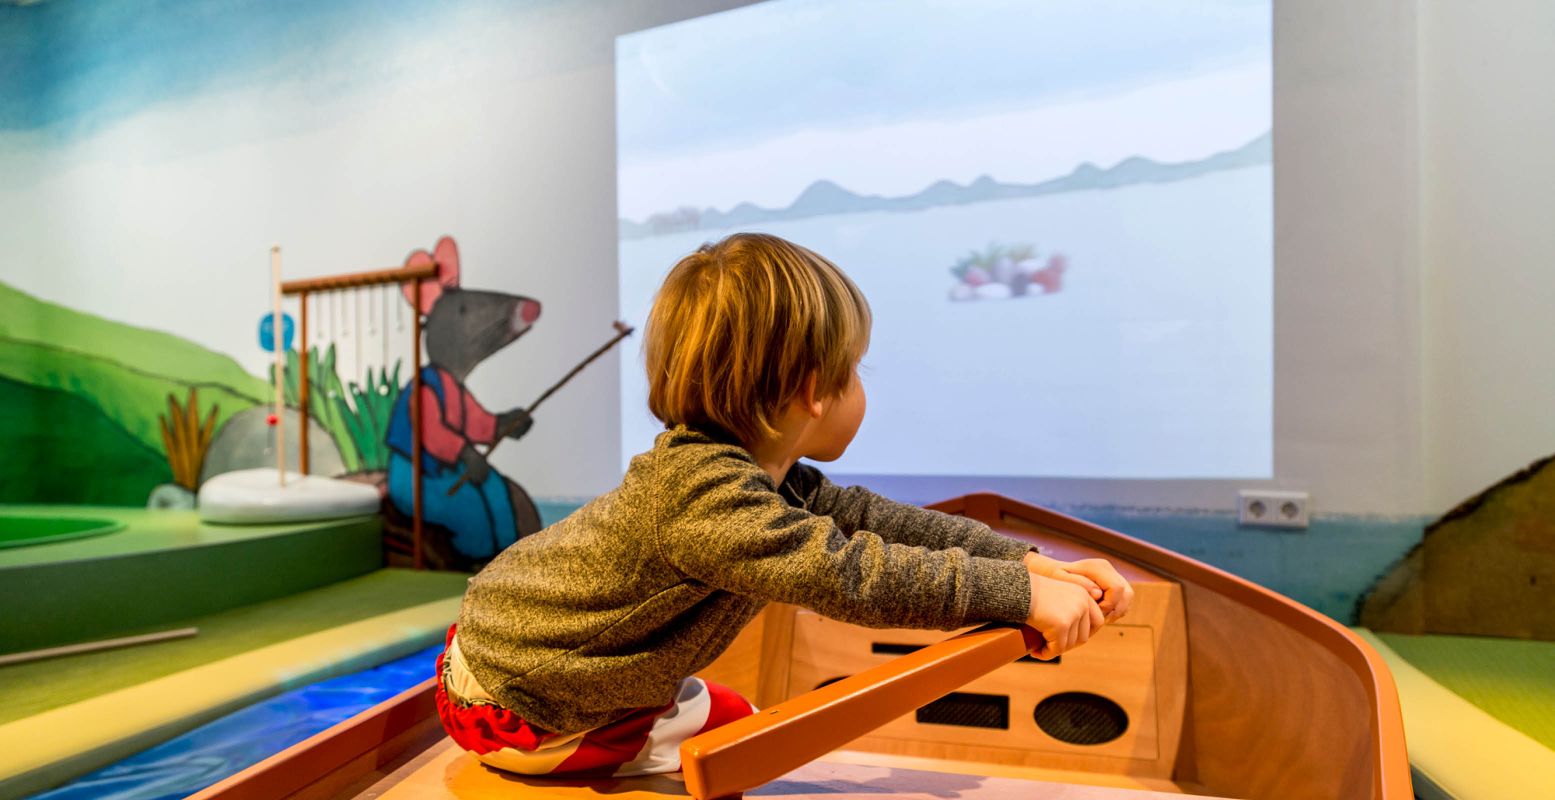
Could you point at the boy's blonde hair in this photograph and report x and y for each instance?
(737, 327)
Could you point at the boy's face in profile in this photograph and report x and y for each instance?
(831, 434)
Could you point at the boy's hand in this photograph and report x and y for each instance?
(1096, 575)
(1063, 613)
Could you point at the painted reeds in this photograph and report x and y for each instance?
(186, 438)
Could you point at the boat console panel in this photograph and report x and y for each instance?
(1113, 705)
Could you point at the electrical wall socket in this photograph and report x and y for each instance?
(1272, 508)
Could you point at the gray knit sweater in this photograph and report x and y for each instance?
(607, 610)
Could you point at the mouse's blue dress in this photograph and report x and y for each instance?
(480, 515)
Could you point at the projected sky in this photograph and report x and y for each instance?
(1061, 215)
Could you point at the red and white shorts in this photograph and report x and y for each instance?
(644, 742)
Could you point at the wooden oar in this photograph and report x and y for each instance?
(623, 330)
(773, 742)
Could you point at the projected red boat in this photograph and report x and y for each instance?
(1000, 273)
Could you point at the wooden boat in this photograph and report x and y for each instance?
(1212, 686)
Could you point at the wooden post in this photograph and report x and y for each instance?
(279, 343)
(302, 384)
(415, 419)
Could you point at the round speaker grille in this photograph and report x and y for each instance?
(1081, 718)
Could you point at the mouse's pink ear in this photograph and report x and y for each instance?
(446, 256)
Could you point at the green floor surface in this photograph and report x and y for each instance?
(141, 530)
(1512, 680)
(163, 566)
(27, 689)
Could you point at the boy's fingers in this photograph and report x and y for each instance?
(1077, 579)
(1091, 588)
(1097, 619)
(1048, 650)
(1126, 601)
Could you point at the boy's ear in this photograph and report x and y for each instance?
(811, 398)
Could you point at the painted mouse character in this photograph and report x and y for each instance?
(463, 328)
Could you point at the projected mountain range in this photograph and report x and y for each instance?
(825, 198)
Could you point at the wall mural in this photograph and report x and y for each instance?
(143, 183)
(99, 405)
(1486, 568)
(478, 510)
(117, 414)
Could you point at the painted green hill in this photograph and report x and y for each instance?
(123, 372)
(81, 457)
(28, 319)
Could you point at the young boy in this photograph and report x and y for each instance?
(572, 651)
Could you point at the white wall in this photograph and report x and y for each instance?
(1487, 200)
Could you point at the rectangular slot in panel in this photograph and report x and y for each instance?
(897, 649)
(968, 710)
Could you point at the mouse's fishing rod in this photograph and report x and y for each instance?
(623, 330)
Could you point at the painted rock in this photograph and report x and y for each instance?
(247, 441)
